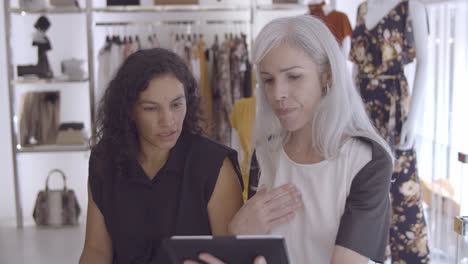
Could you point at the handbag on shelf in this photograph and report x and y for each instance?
(56, 208)
(71, 134)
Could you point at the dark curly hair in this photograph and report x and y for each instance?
(117, 136)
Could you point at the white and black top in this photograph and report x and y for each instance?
(346, 203)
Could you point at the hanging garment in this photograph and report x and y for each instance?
(205, 89)
(39, 118)
(246, 68)
(222, 94)
(179, 49)
(380, 54)
(195, 61)
(116, 58)
(243, 120)
(236, 80)
(336, 21)
(104, 75)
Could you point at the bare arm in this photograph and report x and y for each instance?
(342, 255)
(418, 17)
(98, 245)
(226, 199)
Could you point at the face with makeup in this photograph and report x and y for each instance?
(160, 111)
(292, 85)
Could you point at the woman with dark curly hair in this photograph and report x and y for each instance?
(152, 174)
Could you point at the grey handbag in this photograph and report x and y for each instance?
(56, 207)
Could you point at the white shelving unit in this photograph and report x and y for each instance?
(92, 20)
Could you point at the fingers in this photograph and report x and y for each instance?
(260, 260)
(279, 191)
(190, 262)
(285, 200)
(279, 210)
(281, 220)
(210, 259)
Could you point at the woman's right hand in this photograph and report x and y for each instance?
(210, 259)
(266, 210)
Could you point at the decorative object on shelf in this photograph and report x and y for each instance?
(42, 68)
(176, 2)
(56, 208)
(73, 69)
(122, 2)
(39, 118)
(64, 3)
(71, 134)
(33, 4)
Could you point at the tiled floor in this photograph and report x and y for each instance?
(32, 245)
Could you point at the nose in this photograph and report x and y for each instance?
(166, 118)
(280, 91)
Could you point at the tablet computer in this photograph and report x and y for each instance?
(230, 249)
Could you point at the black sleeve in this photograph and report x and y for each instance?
(206, 159)
(217, 162)
(364, 226)
(95, 179)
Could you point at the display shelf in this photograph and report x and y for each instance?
(52, 148)
(49, 10)
(45, 81)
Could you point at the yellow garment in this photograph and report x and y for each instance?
(243, 120)
(205, 90)
(254, 82)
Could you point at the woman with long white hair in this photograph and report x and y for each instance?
(312, 131)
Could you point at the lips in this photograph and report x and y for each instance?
(168, 136)
(284, 111)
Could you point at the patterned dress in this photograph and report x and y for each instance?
(381, 54)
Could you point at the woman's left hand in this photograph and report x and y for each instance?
(210, 259)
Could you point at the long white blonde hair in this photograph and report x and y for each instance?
(340, 113)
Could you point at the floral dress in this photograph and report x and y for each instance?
(380, 54)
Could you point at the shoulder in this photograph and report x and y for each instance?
(357, 153)
(203, 144)
(380, 166)
(210, 155)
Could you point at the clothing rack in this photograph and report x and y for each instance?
(170, 22)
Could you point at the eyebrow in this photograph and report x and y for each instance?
(285, 69)
(156, 103)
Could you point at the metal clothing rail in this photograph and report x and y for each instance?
(178, 22)
(170, 8)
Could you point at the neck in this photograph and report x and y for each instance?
(300, 146)
(150, 154)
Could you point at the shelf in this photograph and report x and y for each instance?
(45, 81)
(281, 7)
(49, 10)
(52, 148)
(170, 8)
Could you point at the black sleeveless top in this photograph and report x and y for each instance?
(140, 213)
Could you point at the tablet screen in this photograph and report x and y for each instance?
(230, 249)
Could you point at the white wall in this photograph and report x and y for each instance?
(7, 205)
(33, 168)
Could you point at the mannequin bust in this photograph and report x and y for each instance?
(376, 11)
(327, 9)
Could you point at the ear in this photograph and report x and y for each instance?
(326, 79)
